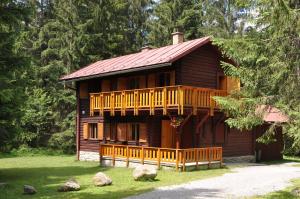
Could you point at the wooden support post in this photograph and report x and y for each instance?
(177, 159)
(127, 156)
(164, 100)
(114, 158)
(142, 155)
(158, 158)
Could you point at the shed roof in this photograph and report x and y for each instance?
(272, 114)
(157, 57)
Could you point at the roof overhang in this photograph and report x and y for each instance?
(130, 70)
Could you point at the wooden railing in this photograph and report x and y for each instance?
(163, 98)
(176, 157)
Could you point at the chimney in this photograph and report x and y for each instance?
(177, 37)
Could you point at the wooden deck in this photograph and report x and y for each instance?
(179, 158)
(152, 99)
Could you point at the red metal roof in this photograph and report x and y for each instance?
(158, 56)
(271, 114)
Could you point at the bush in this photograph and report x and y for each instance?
(65, 141)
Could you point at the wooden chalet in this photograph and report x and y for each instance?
(156, 106)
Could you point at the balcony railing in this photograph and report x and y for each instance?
(156, 155)
(151, 99)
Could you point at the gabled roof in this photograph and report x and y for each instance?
(147, 59)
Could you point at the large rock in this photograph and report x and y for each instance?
(70, 185)
(100, 179)
(29, 189)
(144, 172)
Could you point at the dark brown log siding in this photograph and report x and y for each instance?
(199, 68)
(89, 145)
(238, 143)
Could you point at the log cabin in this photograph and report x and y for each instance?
(157, 105)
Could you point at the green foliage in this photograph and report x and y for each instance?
(268, 59)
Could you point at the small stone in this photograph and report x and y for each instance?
(29, 190)
(3, 184)
(100, 179)
(70, 185)
(296, 192)
(144, 173)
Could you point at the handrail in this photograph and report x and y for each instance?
(179, 157)
(162, 98)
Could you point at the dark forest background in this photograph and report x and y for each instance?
(41, 40)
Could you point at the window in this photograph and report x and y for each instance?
(135, 131)
(133, 83)
(93, 131)
(164, 79)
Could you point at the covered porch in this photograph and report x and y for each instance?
(178, 158)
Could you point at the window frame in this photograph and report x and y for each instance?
(93, 131)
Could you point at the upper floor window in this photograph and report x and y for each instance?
(134, 83)
(164, 79)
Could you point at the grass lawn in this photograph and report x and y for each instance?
(284, 194)
(46, 173)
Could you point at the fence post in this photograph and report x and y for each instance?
(127, 156)
(100, 154)
(183, 161)
(177, 159)
(221, 158)
(158, 158)
(114, 158)
(196, 157)
(142, 155)
(209, 157)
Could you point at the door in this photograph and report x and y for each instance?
(167, 134)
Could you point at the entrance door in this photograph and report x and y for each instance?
(167, 134)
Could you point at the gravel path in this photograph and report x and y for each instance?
(242, 182)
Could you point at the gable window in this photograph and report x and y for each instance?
(164, 79)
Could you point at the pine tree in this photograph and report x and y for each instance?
(13, 16)
(268, 59)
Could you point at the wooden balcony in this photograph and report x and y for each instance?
(179, 158)
(151, 99)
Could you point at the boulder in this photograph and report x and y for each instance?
(3, 184)
(29, 190)
(100, 179)
(70, 185)
(144, 173)
(296, 192)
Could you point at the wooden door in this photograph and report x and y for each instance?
(167, 134)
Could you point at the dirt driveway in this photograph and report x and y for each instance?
(241, 182)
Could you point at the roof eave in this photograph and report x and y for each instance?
(130, 70)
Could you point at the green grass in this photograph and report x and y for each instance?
(46, 173)
(284, 194)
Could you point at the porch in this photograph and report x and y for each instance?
(175, 98)
(178, 158)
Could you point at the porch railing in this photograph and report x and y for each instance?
(176, 157)
(163, 98)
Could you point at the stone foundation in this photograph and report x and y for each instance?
(88, 156)
(239, 159)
